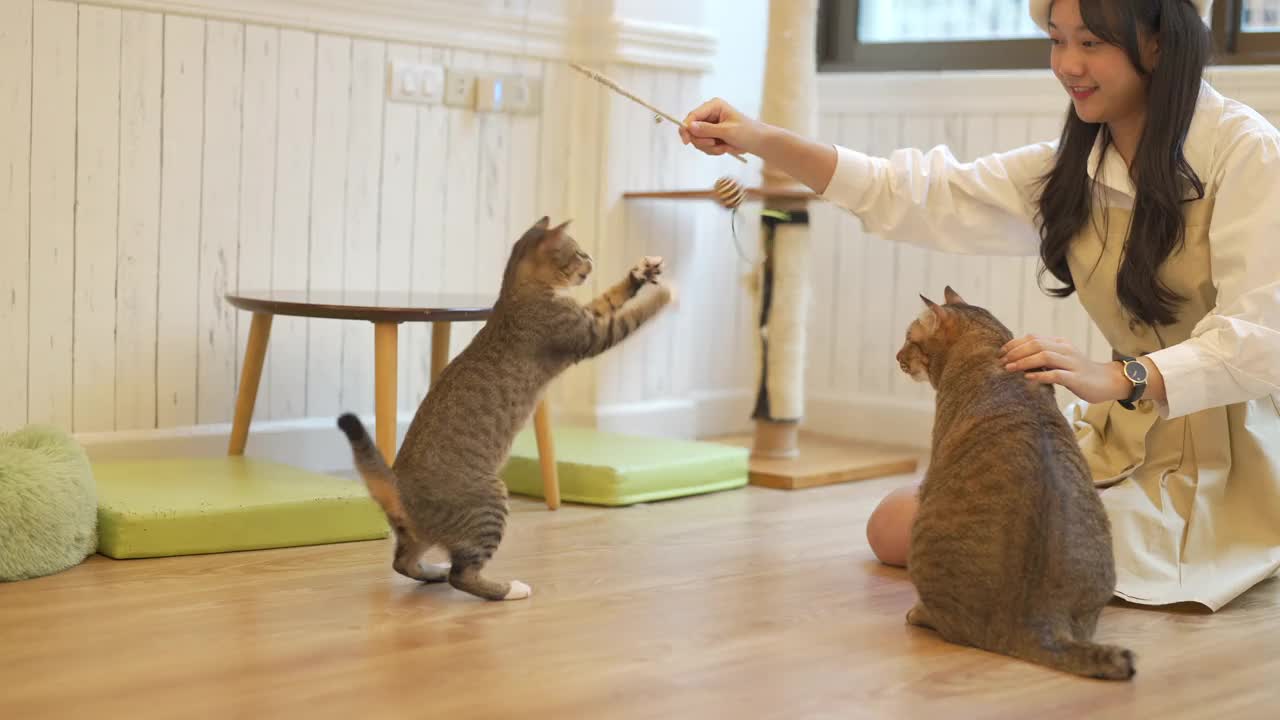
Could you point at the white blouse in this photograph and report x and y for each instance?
(987, 207)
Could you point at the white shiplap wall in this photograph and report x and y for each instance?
(151, 162)
(866, 289)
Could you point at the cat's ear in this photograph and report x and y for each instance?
(554, 234)
(931, 318)
(953, 298)
(543, 223)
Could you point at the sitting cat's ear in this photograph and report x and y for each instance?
(931, 320)
(560, 228)
(953, 298)
(543, 223)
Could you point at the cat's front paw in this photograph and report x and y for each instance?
(669, 293)
(657, 293)
(648, 269)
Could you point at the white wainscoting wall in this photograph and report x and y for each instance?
(156, 154)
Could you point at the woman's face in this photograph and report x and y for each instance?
(1102, 82)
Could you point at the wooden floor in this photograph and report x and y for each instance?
(752, 603)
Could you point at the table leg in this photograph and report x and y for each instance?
(546, 455)
(255, 354)
(439, 348)
(386, 355)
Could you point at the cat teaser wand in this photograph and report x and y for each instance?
(658, 114)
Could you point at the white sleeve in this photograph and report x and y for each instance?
(984, 207)
(1233, 354)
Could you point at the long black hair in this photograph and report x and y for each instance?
(1162, 174)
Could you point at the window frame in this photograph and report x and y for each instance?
(1233, 46)
(838, 19)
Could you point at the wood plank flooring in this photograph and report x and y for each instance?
(752, 603)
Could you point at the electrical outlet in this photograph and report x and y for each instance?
(530, 97)
(415, 82)
(507, 94)
(460, 89)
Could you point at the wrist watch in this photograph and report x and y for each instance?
(1136, 373)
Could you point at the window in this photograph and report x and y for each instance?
(1247, 31)
(869, 35)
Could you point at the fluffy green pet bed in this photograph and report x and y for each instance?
(48, 503)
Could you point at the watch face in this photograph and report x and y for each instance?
(1135, 371)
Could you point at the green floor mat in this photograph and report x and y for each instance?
(602, 468)
(153, 508)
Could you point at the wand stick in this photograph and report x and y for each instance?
(607, 82)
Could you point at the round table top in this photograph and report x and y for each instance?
(374, 306)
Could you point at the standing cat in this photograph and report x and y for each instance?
(1011, 548)
(444, 488)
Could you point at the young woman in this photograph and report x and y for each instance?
(1159, 207)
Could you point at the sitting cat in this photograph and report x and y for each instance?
(444, 488)
(1011, 547)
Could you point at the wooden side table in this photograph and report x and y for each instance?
(386, 311)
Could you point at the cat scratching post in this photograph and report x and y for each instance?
(789, 101)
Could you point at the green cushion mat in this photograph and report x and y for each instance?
(602, 468)
(154, 508)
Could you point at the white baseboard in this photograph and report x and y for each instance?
(704, 414)
(316, 444)
(674, 418)
(724, 412)
(873, 418)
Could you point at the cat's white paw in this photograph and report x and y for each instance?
(648, 269)
(518, 591)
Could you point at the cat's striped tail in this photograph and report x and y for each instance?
(373, 468)
(1105, 662)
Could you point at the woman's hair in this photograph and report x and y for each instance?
(1162, 174)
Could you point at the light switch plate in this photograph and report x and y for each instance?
(409, 81)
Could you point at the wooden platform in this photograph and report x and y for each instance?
(826, 461)
(746, 604)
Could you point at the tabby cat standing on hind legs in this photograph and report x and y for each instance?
(1011, 548)
(444, 489)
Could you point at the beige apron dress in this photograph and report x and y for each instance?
(1194, 502)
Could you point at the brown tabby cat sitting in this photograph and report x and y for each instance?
(1011, 548)
(444, 489)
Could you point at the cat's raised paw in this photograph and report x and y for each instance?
(648, 269)
(518, 591)
(672, 294)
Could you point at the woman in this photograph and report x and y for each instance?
(1159, 206)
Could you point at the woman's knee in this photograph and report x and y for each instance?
(889, 528)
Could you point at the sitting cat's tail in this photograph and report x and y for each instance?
(373, 468)
(1105, 662)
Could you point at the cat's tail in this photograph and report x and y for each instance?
(373, 468)
(1105, 662)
